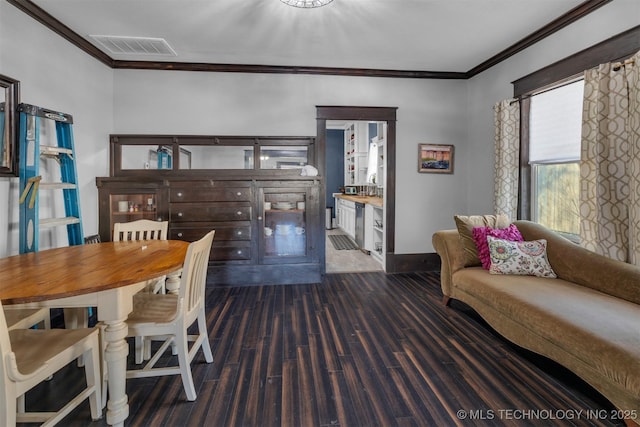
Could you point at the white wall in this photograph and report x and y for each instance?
(55, 74)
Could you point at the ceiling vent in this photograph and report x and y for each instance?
(134, 45)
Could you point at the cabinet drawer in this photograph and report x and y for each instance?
(210, 194)
(224, 232)
(187, 212)
(230, 251)
(223, 249)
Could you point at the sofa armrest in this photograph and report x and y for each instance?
(448, 245)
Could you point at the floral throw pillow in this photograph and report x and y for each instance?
(480, 238)
(521, 258)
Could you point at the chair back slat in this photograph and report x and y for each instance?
(142, 229)
(194, 275)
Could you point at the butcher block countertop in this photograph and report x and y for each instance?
(375, 201)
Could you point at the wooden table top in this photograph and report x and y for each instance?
(77, 270)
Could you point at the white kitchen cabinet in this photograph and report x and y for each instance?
(346, 215)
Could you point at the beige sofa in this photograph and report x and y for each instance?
(588, 319)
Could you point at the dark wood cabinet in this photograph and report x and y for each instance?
(267, 222)
(120, 200)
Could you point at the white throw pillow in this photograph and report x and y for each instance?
(521, 258)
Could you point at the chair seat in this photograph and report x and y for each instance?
(30, 356)
(34, 348)
(153, 308)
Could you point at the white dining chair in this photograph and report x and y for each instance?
(30, 356)
(143, 229)
(25, 316)
(168, 316)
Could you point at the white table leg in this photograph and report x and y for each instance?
(116, 359)
(173, 282)
(113, 308)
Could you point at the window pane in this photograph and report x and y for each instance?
(557, 188)
(555, 125)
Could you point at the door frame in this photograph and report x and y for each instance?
(376, 114)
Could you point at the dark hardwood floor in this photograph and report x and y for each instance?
(365, 349)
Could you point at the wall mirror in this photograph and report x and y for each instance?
(9, 99)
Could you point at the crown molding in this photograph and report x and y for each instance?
(46, 19)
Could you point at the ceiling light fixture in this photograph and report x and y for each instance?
(306, 3)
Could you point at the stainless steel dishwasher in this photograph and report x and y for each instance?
(360, 225)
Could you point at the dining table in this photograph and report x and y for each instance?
(103, 275)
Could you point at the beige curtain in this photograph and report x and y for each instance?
(610, 161)
(507, 154)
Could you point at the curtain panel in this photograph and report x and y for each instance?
(610, 161)
(507, 155)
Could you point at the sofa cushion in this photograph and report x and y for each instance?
(465, 225)
(480, 239)
(598, 329)
(520, 258)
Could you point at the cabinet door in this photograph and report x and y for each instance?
(117, 204)
(348, 217)
(288, 223)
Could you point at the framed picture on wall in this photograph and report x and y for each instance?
(435, 158)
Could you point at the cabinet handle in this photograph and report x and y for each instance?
(259, 218)
(179, 194)
(239, 252)
(179, 234)
(239, 233)
(239, 193)
(239, 213)
(180, 214)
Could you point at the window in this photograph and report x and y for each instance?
(555, 121)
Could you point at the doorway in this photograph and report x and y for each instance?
(361, 114)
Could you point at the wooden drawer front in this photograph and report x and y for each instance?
(230, 251)
(223, 249)
(224, 232)
(210, 194)
(188, 212)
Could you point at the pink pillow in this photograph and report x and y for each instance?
(480, 234)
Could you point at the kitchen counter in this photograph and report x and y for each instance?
(371, 200)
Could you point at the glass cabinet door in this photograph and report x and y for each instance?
(127, 207)
(284, 233)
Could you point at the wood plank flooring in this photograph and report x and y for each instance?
(365, 349)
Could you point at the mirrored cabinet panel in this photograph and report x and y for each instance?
(216, 157)
(183, 155)
(283, 157)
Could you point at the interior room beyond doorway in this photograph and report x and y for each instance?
(355, 189)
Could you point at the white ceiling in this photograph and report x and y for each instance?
(416, 35)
